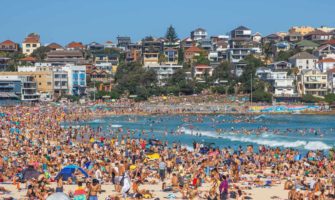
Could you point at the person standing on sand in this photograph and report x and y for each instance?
(93, 190)
(224, 188)
(162, 168)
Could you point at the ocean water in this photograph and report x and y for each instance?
(302, 132)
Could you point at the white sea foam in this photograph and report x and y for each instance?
(308, 145)
(98, 121)
(317, 146)
(116, 126)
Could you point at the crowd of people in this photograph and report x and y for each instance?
(35, 149)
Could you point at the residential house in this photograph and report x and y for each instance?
(303, 30)
(272, 38)
(54, 46)
(240, 44)
(325, 51)
(314, 82)
(326, 29)
(10, 90)
(27, 90)
(134, 53)
(95, 47)
(240, 37)
(28, 61)
(30, 43)
(97, 75)
(171, 56)
(164, 71)
(60, 80)
(294, 37)
(236, 55)
(257, 37)
(52, 81)
(75, 46)
(280, 66)
(191, 52)
(318, 35)
(65, 56)
(113, 58)
(303, 61)
(198, 34)
(42, 76)
(109, 45)
(283, 85)
(326, 64)
(151, 50)
(306, 45)
(206, 44)
(281, 46)
(200, 71)
(8, 46)
(4, 63)
(263, 72)
(187, 43)
(76, 79)
(123, 42)
(331, 79)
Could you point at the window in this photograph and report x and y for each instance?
(34, 45)
(39, 76)
(49, 83)
(39, 83)
(28, 45)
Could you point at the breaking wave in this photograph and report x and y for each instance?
(265, 140)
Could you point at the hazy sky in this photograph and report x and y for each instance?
(64, 21)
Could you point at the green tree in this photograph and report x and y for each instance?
(285, 55)
(261, 96)
(223, 72)
(308, 98)
(177, 77)
(252, 63)
(171, 34)
(330, 98)
(201, 59)
(180, 56)
(40, 53)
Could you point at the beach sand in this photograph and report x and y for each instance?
(256, 193)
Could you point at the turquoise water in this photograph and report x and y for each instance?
(303, 132)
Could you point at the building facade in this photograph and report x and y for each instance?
(31, 42)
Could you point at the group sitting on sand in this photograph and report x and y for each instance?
(35, 149)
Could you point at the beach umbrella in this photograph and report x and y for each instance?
(58, 196)
(67, 171)
(30, 173)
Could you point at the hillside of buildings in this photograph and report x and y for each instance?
(293, 66)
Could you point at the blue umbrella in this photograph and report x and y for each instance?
(68, 171)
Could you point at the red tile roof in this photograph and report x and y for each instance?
(331, 42)
(327, 60)
(29, 59)
(31, 40)
(54, 46)
(7, 42)
(75, 45)
(193, 49)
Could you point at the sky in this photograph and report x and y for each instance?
(63, 21)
